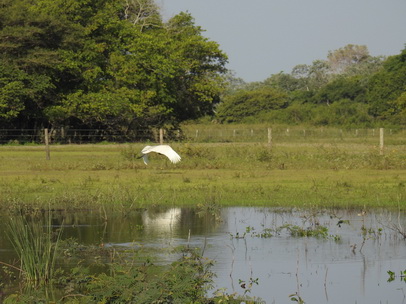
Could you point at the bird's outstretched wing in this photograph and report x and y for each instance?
(145, 158)
(161, 149)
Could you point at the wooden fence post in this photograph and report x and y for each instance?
(47, 151)
(381, 146)
(161, 136)
(270, 137)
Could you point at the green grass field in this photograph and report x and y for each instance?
(290, 174)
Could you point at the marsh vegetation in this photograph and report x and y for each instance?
(293, 172)
(108, 182)
(223, 255)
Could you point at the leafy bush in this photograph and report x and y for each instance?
(249, 103)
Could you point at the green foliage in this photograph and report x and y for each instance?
(10, 103)
(387, 86)
(264, 154)
(287, 82)
(249, 103)
(397, 109)
(103, 64)
(350, 88)
(317, 231)
(341, 113)
(134, 280)
(296, 298)
(90, 176)
(392, 276)
(341, 88)
(294, 114)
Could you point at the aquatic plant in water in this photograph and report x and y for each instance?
(392, 275)
(34, 243)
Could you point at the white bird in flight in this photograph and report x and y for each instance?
(161, 149)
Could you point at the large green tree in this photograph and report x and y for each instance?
(30, 61)
(103, 64)
(351, 88)
(327, 92)
(387, 87)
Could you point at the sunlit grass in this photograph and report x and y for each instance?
(289, 174)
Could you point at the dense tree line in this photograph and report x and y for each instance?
(349, 88)
(115, 65)
(107, 64)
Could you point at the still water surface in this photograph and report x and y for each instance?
(348, 266)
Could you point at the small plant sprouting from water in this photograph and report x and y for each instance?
(396, 226)
(392, 275)
(296, 298)
(36, 247)
(265, 233)
(369, 233)
(247, 285)
(317, 231)
(297, 231)
(238, 235)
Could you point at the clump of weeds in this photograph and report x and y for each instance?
(37, 247)
(312, 231)
(132, 276)
(264, 154)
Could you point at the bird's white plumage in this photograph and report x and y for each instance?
(161, 149)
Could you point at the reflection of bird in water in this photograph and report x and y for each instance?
(162, 221)
(161, 149)
(363, 213)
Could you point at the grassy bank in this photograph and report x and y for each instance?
(290, 174)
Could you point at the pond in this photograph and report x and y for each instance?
(334, 256)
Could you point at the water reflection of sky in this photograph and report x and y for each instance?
(319, 270)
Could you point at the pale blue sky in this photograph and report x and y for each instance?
(265, 37)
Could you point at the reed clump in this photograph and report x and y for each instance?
(36, 246)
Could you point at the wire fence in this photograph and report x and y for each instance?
(294, 134)
(202, 134)
(72, 136)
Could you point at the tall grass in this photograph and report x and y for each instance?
(34, 243)
(346, 171)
